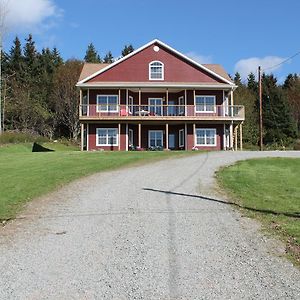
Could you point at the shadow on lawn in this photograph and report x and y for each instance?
(265, 211)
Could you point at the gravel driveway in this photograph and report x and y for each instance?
(144, 233)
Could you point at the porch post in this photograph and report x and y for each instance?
(194, 109)
(80, 103)
(119, 101)
(127, 99)
(87, 137)
(119, 137)
(167, 136)
(139, 135)
(185, 137)
(235, 138)
(194, 132)
(231, 136)
(82, 136)
(241, 136)
(185, 102)
(88, 103)
(140, 99)
(167, 102)
(224, 137)
(126, 136)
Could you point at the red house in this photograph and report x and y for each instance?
(158, 98)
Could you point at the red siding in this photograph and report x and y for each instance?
(135, 69)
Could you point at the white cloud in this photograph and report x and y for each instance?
(248, 65)
(28, 14)
(202, 59)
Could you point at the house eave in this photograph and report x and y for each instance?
(183, 85)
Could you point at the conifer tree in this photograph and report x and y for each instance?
(108, 58)
(237, 79)
(91, 55)
(127, 49)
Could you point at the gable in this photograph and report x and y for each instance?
(176, 68)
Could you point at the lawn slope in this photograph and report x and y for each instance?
(269, 190)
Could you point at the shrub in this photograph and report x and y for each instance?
(15, 137)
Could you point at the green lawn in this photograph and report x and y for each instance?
(268, 189)
(25, 175)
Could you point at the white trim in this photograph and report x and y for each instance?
(101, 110)
(152, 84)
(166, 46)
(131, 130)
(205, 111)
(224, 137)
(107, 144)
(185, 137)
(162, 137)
(162, 70)
(87, 136)
(206, 145)
(127, 137)
(155, 106)
(181, 105)
(88, 102)
(179, 139)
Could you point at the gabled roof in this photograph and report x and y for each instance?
(213, 69)
(90, 68)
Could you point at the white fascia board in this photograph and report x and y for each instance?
(147, 45)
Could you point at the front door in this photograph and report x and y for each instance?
(171, 141)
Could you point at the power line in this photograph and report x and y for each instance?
(284, 61)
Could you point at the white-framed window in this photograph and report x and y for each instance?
(181, 138)
(206, 137)
(155, 138)
(155, 106)
(156, 70)
(205, 103)
(107, 137)
(130, 136)
(107, 103)
(181, 108)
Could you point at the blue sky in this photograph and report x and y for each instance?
(237, 34)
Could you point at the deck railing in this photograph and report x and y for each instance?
(113, 110)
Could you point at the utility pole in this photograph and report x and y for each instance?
(260, 110)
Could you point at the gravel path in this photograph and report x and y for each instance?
(144, 233)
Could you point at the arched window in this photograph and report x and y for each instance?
(156, 70)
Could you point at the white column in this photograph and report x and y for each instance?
(167, 102)
(126, 136)
(185, 137)
(194, 134)
(231, 136)
(88, 103)
(241, 136)
(119, 136)
(80, 103)
(224, 137)
(82, 136)
(87, 136)
(185, 102)
(139, 135)
(167, 136)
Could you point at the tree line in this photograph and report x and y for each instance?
(280, 109)
(39, 95)
(38, 89)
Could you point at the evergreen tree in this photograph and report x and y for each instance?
(278, 124)
(91, 55)
(15, 61)
(237, 79)
(108, 58)
(127, 49)
(252, 83)
(57, 59)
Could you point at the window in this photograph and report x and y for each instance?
(156, 70)
(107, 137)
(155, 106)
(205, 103)
(107, 103)
(130, 137)
(205, 137)
(181, 138)
(155, 138)
(181, 108)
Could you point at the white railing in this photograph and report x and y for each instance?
(102, 111)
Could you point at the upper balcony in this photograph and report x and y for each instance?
(115, 112)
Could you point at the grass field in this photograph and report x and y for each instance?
(25, 175)
(269, 190)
